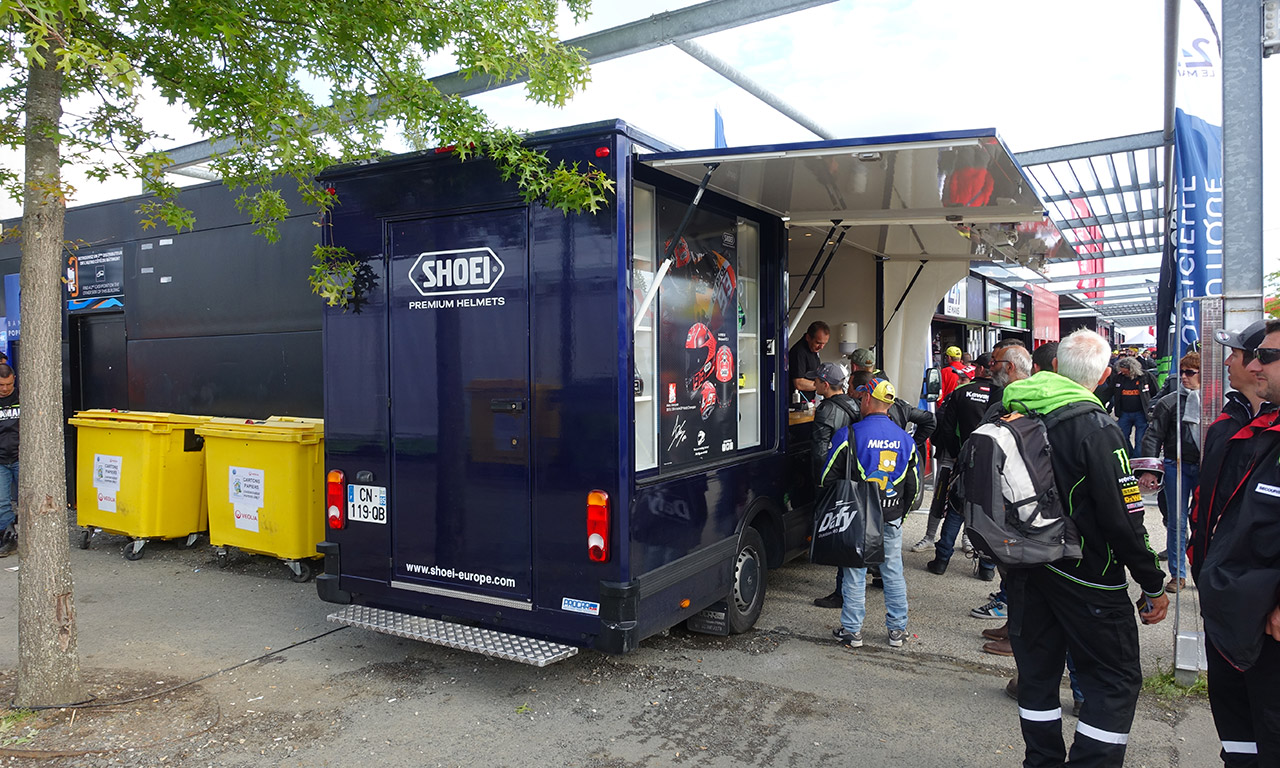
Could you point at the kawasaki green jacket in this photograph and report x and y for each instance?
(1100, 492)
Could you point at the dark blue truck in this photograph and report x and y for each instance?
(530, 447)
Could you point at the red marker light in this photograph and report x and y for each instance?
(602, 151)
(598, 526)
(331, 190)
(335, 500)
(442, 150)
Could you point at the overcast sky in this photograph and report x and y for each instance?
(1041, 74)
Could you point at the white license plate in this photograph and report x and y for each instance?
(367, 504)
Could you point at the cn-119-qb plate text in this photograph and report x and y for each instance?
(367, 503)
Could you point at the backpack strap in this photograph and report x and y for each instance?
(1070, 412)
(848, 409)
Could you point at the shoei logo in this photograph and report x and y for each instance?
(448, 273)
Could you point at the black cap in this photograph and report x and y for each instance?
(1248, 338)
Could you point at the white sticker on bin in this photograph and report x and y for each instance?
(106, 472)
(245, 486)
(246, 516)
(106, 500)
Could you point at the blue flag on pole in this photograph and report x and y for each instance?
(720, 142)
(1197, 147)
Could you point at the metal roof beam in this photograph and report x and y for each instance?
(1086, 149)
(1069, 196)
(624, 40)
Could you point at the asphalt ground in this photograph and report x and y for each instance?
(784, 694)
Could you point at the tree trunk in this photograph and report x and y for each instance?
(48, 662)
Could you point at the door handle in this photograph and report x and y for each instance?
(506, 406)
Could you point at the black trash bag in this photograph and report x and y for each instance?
(848, 526)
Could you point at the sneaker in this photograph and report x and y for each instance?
(936, 566)
(846, 638)
(994, 609)
(833, 600)
(985, 574)
(897, 637)
(8, 547)
(923, 545)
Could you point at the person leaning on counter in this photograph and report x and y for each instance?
(803, 356)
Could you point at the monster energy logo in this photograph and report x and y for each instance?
(1123, 456)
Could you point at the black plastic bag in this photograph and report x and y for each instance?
(848, 526)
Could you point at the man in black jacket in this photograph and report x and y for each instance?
(1082, 606)
(1174, 430)
(836, 410)
(961, 414)
(10, 410)
(1131, 393)
(1236, 558)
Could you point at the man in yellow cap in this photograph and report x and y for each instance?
(954, 373)
(883, 454)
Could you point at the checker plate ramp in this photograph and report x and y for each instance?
(487, 642)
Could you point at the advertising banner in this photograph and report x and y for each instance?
(698, 341)
(1197, 145)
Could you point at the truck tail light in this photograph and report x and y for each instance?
(335, 500)
(598, 526)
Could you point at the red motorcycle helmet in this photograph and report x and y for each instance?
(726, 376)
(1149, 464)
(700, 355)
(707, 404)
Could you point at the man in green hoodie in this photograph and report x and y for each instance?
(1082, 606)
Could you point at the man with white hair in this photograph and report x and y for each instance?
(1082, 606)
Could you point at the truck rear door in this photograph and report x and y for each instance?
(460, 496)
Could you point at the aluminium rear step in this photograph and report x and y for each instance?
(487, 642)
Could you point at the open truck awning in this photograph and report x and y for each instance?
(958, 195)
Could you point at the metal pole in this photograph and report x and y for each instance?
(733, 75)
(1241, 161)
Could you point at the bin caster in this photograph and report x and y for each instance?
(86, 536)
(191, 540)
(300, 570)
(224, 558)
(133, 550)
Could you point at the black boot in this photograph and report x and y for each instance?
(833, 600)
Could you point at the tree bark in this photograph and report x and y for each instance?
(48, 661)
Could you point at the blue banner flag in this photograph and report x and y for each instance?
(1197, 147)
(720, 142)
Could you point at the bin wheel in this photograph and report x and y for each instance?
(300, 571)
(85, 537)
(223, 558)
(134, 549)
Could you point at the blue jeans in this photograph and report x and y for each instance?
(1176, 526)
(854, 586)
(945, 546)
(8, 494)
(1133, 420)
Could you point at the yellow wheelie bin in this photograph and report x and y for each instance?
(139, 474)
(265, 486)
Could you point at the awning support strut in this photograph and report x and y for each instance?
(671, 246)
(813, 289)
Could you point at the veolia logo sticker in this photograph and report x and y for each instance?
(450, 273)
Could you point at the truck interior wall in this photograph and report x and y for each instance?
(846, 294)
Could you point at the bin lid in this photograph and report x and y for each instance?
(275, 431)
(297, 420)
(111, 418)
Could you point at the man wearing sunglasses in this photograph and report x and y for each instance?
(1237, 559)
(1175, 419)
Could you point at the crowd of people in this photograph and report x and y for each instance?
(1118, 435)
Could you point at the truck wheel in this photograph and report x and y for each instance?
(747, 597)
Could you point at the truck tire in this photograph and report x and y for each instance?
(746, 598)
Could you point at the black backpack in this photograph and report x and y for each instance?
(1003, 484)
